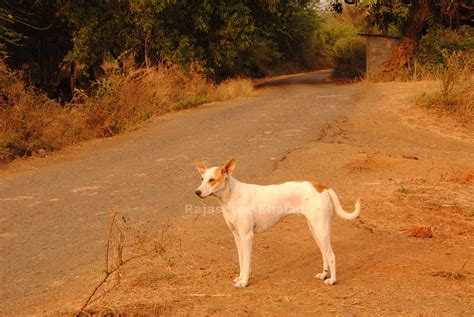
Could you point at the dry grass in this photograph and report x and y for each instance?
(455, 96)
(127, 242)
(30, 122)
(121, 103)
(232, 88)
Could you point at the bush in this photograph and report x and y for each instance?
(437, 42)
(338, 45)
(349, 60)
(447, 55)
(232, 88)
(455, 95)
(331, 37)
(31, 122)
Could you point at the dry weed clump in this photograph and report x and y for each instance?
(126, 242)
(231, 89)
(455, 95)
(123, 102)
(30, 122)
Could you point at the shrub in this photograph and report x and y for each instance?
(455, 95)
(122, 102)
(338, 45)
(29, 121)
(232, 88)
(349, 59)
(438, 41)
(333, 34)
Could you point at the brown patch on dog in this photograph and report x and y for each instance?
(218, 175)
(319, 187)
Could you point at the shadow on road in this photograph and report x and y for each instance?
(313, 78)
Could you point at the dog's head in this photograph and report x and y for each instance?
(213, 178)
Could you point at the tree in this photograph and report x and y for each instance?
(98, 28)
(411, 34)
(36, 38)
(227, 37)
(8, 36)
(413, 18)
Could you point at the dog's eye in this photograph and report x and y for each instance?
(211, 180)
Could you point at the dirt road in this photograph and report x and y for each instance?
(358, 139)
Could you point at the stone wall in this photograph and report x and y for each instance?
(377, 52)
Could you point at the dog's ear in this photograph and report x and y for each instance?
(229, 167)
(201, 167)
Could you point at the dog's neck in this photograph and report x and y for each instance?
(225, 194)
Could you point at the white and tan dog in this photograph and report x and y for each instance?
(250, 209)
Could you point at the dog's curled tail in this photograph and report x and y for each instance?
(341, 212)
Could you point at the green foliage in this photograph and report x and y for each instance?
(411, 19)
(387, 16)
(338, 45)
(233, 37)
(334, 35)
(8, 36)
(440, 42)
(30, 122)
(349, 59)
(105, 87)
(455, 95)
(100, 27)
(390, 16)
(34, 38)
(228, 37)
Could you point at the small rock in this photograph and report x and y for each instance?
(421, 232)
(40, 152)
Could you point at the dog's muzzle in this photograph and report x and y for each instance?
(199, 194)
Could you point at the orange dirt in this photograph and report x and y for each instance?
(404, 178)
(381, 269)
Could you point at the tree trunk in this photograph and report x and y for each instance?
(412, 31)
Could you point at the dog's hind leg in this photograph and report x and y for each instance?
(323, 275)
(323, 234)
(321, 226)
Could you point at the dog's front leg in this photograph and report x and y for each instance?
(246, 244)
(238, 243)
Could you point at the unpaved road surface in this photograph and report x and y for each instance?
(362, 140)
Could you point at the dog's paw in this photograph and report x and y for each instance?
(330, 281)
(322, 276)
(241, 283)
(236, 279)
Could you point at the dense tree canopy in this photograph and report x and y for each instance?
(411, 19)
(227, 37)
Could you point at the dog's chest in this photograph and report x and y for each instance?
(238, 218)
(230, 215)
(259, 228)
